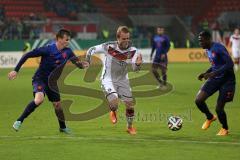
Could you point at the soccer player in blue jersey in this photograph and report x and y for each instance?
(161, 44)
(220, 77)
(52, 56)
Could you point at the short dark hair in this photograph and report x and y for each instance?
(205, 34)
(63, 32)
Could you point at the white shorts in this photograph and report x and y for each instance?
(122, 89)
(236, 52)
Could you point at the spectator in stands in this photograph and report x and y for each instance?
(216, 37)
(2, 13)
(27, 47)
(8, 29)
(232, 25)
(19, 27)
(60, 9)
(105, 33)
(205, 25)
(73, 15)
(1, 33)
(172, 46)
(33, 17)
(71, 7)
(35, 31)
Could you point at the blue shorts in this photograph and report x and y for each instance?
(226, 89)
(42, 86)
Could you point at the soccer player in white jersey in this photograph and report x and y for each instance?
(114, 79)
(235, 45)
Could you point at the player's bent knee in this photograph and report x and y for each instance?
(154, 70)
(129, 104)
(200, 98)
(57, 105)
(38, 100)
(198, 101)
(113, 107)
(113, 101)
(113, 104)
(112, 97)
(219, 110)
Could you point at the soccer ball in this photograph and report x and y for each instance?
(175, 123)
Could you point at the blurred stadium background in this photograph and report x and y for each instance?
(27, 24)
(96, 20)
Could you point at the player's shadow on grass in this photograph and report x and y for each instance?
(57, 83)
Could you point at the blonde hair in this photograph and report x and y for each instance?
(123, 29)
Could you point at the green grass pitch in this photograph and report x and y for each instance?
(99, 139)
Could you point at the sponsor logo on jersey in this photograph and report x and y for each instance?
(64, 55)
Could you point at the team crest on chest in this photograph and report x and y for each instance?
(64, 55)
(213, 54)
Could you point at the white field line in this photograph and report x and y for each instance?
(78, 138)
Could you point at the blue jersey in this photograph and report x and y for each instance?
(161, 43)
(51, 58)
(221, 62)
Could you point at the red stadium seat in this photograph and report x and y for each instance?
(22, 8)
(91, 28)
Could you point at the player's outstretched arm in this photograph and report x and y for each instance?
(209, 75)
(201, 76)
(35, 53)
(85, 64)
(228, 65)
(95, 49)
(205, 74)
(80, 64)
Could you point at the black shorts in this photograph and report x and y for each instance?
(226, 89)
(161, 59)
(42, 86)
(159, 62)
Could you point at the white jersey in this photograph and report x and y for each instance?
(115, 60)
(235, 39)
